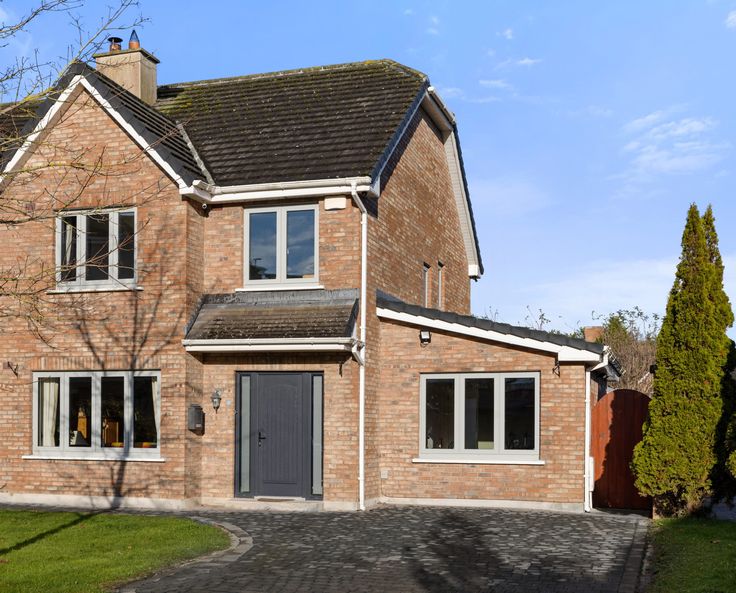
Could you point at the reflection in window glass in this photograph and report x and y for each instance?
(519, 413)
(300, 244)
(98, 246)
(80, 411)
(112, 400)
(145, 412)
(48, 412)
(126, 245)
(262, 246)
(68, 248)
(440, 414)
(479, 414)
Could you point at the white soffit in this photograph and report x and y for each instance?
(563, 353)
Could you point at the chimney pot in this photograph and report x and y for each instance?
(115, 43)
(134, 42)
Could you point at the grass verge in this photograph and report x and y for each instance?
(55, 552)
(694, 556)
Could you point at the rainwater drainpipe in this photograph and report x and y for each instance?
(586, 470)
(363, 316)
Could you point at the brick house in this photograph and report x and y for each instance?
(261, 296)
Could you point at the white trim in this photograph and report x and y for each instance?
(130, 130)
(111, 288)
(480, 461)
(280, 287)
(47, 119)
(96, 502)
(271, 345)
(228, 194)
(568, 507)
(44, 457)
(53, 112)
(587, 476)
(564, 353)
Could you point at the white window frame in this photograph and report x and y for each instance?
(281, 281)
(112, 281)
(499, 453)
(95, 450)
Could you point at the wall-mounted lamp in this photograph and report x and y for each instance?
(216, 399)
(425, 336)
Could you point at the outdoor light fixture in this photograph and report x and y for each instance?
(425, 336)
(216, 399)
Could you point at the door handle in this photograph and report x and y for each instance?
(261, 437)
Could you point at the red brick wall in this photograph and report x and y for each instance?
(93, 331)
(418, 222)
(562, 419)
(339, 246)
(340, 437)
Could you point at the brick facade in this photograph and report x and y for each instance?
(185, 251)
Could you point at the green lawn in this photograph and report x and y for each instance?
(86, 552)
(694, 556)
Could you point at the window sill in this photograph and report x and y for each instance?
(479, 460)
(280, 287)
(43, 457)
(78, 289)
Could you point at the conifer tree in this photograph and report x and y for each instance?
(677, 455)
(726, 353)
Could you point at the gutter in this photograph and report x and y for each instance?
(209, 194)
(586, 454)
(361, 357)
(272, 345)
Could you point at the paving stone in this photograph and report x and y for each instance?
(418, 549)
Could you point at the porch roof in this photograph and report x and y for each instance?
(262, 318)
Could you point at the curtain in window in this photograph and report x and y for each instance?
(156, 407)
(50, 406)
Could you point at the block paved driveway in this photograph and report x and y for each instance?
(419, 549)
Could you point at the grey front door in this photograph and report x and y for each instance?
(280, 430)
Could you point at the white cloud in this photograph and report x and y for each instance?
(731, 20)
(433, 31)
(507, 33)
(661, 144)
(491, 53)
(434, 20)
(528, 61)
(408, 12)
(498, 83)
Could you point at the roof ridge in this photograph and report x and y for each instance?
(296, 72)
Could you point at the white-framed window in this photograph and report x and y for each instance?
(96, 248)
(479, 415)
(99, 414)
(281, 246)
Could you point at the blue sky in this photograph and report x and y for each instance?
(587, 128)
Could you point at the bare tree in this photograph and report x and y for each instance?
(68, 168)
(632, 336)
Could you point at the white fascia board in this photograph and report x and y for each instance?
(563, 353)
(214, 194)
(130, 130)
(48, 118)
(270, 345)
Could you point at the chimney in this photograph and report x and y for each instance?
(134, 68)
(592, 333)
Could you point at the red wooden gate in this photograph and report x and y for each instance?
(617, 421)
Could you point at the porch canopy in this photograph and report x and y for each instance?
(285, 321)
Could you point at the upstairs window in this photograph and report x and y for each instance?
(96, 249)
(281, 246)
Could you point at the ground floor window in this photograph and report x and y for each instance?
(484, 415)
(108, 413)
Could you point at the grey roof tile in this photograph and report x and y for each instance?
(275, 315)
(388, 301)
